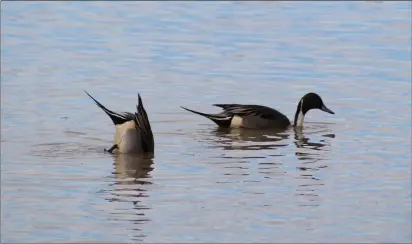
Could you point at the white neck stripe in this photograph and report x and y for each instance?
(301, 116)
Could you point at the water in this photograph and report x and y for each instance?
(345, 178)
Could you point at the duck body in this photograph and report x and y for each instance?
(247, 116)
(262, 117)
(133, 131)
(128, 139)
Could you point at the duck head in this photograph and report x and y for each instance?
(308, 102)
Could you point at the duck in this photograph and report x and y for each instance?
(133, 131)
(262, 117)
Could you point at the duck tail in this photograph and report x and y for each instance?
(222, 120)
(115, 117)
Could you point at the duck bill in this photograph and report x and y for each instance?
(325, 109)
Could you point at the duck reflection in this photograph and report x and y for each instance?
(244, 139)
(133, 166)
(311, 155)
(245, 152)
(303, 142)
(130, 187)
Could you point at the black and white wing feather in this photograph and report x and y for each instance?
(251, 110)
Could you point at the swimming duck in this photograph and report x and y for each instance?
(262, 117)
(133, 131)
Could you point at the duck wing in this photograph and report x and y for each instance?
(252, 110)
(143, 125)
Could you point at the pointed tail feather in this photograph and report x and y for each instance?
(221, 120)
(115, 117)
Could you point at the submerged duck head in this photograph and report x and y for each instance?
(308, 102)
